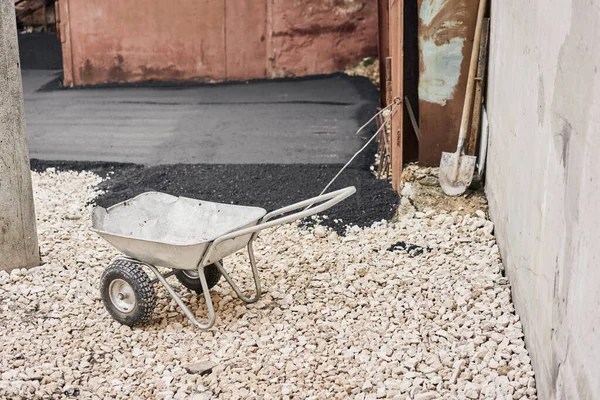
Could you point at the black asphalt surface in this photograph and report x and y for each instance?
(279, 142)
(294, 121)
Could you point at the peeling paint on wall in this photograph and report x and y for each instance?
(441, 47)
(446, 28)
(442, 69)
(429, 9)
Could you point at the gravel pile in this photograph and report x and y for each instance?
(361, 316)
(368, 67)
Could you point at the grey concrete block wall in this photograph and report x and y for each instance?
(544, 182)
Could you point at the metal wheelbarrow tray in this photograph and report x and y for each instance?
(189, 236)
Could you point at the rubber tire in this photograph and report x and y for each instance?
(211, 272)
(134, 275)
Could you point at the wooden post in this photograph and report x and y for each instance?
(57, 19)
(384, 47)
(45, 18)
(397, 51)
(388, 80)
(388, 129)
(471, 145)
(18, 236)
(65, 40)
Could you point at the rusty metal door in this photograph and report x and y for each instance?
(138, 40)
(245, 39)
(445, 40)
(398, 37)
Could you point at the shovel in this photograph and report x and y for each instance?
(457, 169)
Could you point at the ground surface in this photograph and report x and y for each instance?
(300, 121)
(341, 316)
(414, 307)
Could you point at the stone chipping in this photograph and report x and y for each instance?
(341, 316)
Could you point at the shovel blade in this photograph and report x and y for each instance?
(456, 173)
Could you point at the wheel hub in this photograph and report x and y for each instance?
(122, 296)
(192, 274)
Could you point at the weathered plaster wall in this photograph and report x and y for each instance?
(201, 40)
(544, 182)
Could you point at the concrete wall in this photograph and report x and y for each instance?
(544, 182)
(202, 40)
(18, 235)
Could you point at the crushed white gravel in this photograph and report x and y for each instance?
(341, 317)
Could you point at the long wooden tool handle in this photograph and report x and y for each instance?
(466, 113)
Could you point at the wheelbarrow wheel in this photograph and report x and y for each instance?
(190, 279)
(127, 293)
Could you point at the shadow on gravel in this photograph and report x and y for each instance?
(266, 185)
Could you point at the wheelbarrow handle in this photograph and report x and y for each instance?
(333, 197)
(267, 221)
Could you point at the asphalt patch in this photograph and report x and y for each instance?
(413, 250)
(270, 186)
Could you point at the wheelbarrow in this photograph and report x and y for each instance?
(190, 237)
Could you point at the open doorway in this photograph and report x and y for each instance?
(38, 27)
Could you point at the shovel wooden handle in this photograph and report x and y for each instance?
(468, 104)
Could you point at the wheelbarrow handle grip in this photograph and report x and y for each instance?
(332, 198)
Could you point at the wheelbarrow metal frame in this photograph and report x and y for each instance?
(327, 201)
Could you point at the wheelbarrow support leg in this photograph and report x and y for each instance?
(184, 308)
(234, 286)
